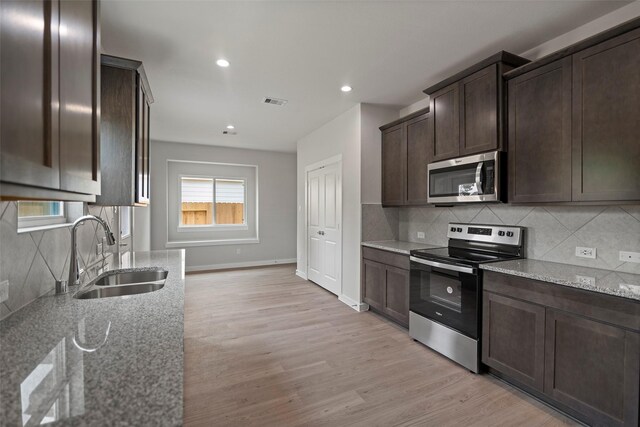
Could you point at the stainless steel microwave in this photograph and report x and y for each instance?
(466, 179)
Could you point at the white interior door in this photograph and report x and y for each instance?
(324, 208)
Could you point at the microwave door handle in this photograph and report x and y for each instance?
(443, 266)
(479, 177)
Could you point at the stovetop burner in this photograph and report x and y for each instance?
(473, 244)
(460, 256)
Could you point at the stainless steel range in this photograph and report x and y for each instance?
(446, 288)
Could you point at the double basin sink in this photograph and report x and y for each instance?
(124, 282)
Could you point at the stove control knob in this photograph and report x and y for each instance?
(453, 229)
(509, 233)
(500, 233)
(459, 230)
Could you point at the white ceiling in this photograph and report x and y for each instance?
(304, 51)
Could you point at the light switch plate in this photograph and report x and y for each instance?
(4, 291)
(586, 252)
(630, 256)
(420, 235)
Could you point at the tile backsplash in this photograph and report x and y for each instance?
(553, 232)
(32, 262)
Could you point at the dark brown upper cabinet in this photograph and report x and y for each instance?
(125, 101)
(573, 122)
(50, 113)
(467, 109)
(540, 134)
(606, 117)
(445, 122)
(405, 154)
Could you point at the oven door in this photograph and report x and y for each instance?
(467, 179)
(446, 293)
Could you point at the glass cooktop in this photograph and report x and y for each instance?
(459, 256)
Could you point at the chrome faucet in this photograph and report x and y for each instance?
(74, 268)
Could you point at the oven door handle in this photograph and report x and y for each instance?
(443, 266)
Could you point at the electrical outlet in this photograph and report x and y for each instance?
(585, 252)
(420, 235)
(629, 256)
(238, 251)
(586, 280)
(4, 291)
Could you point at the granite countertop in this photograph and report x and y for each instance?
(110, 361)
(397, 246)
(625, 285)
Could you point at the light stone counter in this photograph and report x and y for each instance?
(616, 283)
(397, 246)
(111, 361)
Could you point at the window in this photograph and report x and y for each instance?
(125, 221)
(37, 214)
(211, 204)
(207, 202)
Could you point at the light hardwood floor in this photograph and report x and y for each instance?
(266, 348)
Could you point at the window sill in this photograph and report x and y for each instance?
(199, 228)
(219, 242)
(43, 227)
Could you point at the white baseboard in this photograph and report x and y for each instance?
(357, 306)
(301, 274)
(195, 268)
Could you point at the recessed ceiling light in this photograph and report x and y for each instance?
(222, 63)
(231, 127)
(345, 88)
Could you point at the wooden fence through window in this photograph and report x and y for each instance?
(197, 213)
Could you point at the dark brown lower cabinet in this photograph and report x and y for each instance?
(373, 283)
(385, 283)
(508, 321)
(593, 368)
(396, 294)
(576, 349)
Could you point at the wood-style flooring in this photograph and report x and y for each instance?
(266, 348)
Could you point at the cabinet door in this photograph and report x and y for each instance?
(394, 155)
(142, 147)
(79, 97)
(396, 294)
(513, 338)
(593, 368)
(29, 84)
(373, 278)
(444, 110)
(540, 134)
(418, 157)
(479, 111)
(606, 113)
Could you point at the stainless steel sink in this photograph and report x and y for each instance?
(117, 291)
(130, 277)
(122, 283)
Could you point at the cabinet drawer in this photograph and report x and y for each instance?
(386, 257)
(605, 308)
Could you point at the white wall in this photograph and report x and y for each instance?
(589, 29)
(142, 228)
(341, 136)
(372, 117)
(354, 135)
(276, 205)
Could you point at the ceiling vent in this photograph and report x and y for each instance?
(274, 101)
(229, 132)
